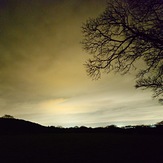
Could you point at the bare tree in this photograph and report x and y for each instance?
(127, 32)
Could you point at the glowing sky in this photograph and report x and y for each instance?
(42, 77)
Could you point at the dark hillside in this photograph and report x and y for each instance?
(19, 126)
(24, 141)
(14, 126)
(81, 148)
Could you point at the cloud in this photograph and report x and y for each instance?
(42, 77)
(40, 49)
(51, 106)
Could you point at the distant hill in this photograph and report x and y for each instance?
(12, 125)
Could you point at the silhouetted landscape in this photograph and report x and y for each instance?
(51, 50)
(19, 126)
(24, 141)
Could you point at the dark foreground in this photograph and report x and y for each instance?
(81, 148)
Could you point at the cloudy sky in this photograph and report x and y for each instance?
(42, 77)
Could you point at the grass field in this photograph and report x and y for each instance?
(81, 148)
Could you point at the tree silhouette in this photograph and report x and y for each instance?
(126, 36)
(8, 116)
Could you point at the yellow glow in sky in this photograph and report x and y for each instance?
(42, 77)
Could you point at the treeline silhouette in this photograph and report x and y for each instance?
(19, 126)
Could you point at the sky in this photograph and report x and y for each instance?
(42, 76)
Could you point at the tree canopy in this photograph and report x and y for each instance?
(128, 32)
(8, 116)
